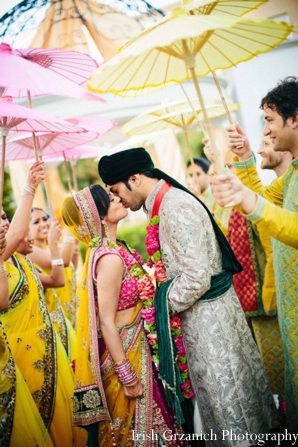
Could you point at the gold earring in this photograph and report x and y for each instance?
(106, 233)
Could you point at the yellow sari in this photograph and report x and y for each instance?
(38, 351)
(61, 323)
(67, 295)
(21, 424)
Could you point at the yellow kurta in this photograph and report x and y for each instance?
(282, 225)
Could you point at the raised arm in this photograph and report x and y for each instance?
(278, 222)
(20, 222)
(57, 276)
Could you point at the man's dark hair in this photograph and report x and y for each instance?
(201, 162)
(149, 174)
(283, 98)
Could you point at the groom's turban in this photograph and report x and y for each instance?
(120, 166)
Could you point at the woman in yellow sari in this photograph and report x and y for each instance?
(61, 301)
(35, 347)
(21, 424)
(117, 395)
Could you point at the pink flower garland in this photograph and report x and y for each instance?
(153, 250)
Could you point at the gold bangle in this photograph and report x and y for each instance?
(2, 268)
(121, 361)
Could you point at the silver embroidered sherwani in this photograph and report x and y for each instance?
(225, 367)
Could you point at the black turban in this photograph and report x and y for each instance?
(120, 166)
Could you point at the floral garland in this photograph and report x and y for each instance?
(153, 250)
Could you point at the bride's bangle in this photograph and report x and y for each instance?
(2, 268)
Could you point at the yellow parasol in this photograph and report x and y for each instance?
(186, 46)
(229, 8)
(180, 119)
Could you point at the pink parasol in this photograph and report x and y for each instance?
(96, 124)
(20, 147)
(37, 71)
(17, 118)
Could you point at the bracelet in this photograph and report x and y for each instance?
(70, 239)
(126, 373)
(31, 188)
(76, 251)
(57, 262)
(2, 268)
(121, 362)
(28, 190)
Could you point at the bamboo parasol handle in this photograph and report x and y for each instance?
(2, 167)
(67, 173)
(33, 133)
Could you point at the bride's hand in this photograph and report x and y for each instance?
(134, 392)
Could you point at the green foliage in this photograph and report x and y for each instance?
(134, 236)
(195, 141)
(87, 173)
(9, 204)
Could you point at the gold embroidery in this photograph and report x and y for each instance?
(39, 365)
(37, 396)
(9, 370)
(82, 231)
(92, 399)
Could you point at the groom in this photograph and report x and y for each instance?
(223, 360)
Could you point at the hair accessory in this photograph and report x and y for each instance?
(57, 261)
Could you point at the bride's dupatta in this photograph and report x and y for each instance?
(89, 403)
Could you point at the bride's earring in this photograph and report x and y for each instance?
(106, 234)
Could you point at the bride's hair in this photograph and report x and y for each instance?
(101, 199)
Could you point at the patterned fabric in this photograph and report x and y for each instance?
(225, 366)
(268, 338)
(283, 192)
(285, 267)
(129, 292)
(246, 283)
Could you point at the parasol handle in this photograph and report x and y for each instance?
(47, 192)
(223, 100)
(219, 164)
(2, 168)
(33, 133)
(67, 173)
(74, 175)
(193, 109)
(182, 155)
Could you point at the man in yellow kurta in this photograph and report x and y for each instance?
(275, 209)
